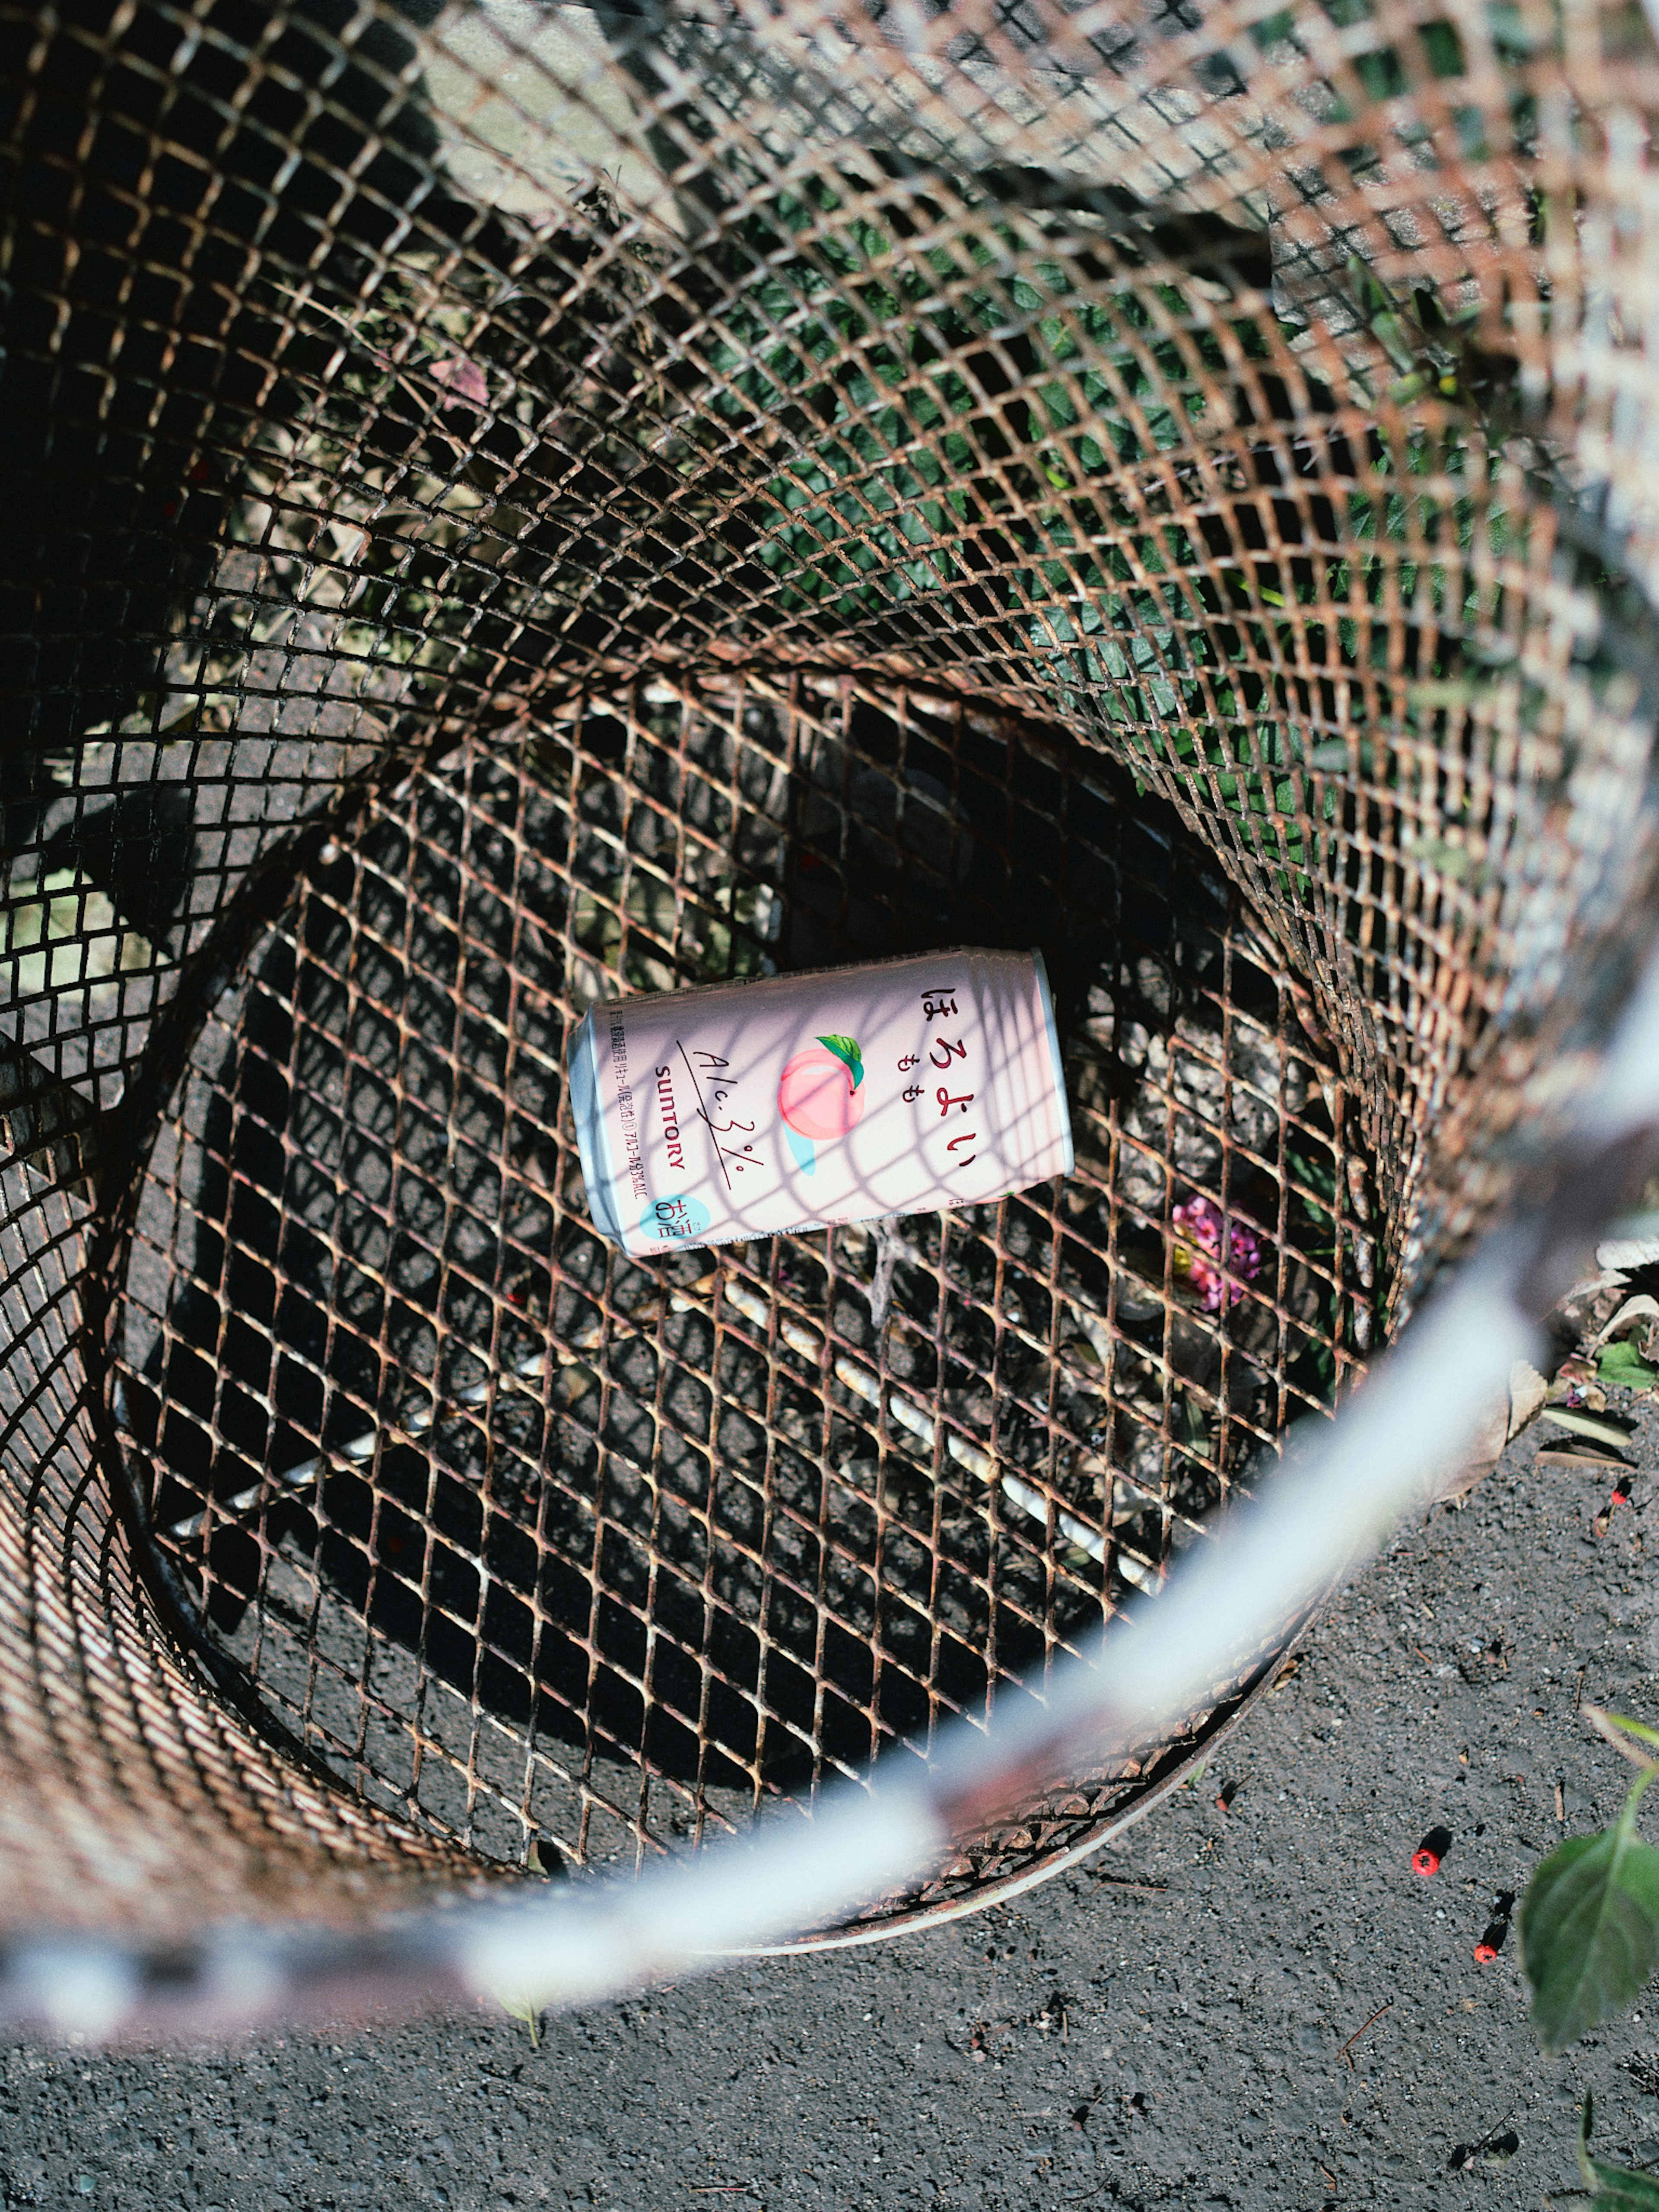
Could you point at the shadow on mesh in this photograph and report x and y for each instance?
(464, 1489)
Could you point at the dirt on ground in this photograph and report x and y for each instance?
(1261, 2008)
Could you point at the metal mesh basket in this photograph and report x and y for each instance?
(515, 504)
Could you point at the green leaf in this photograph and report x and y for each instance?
(844, 1048)
(1623, 1364)
(1619, 2189)
(1623, 1721)
(1614, 2186)
(521, 2008)
(1589, 1928)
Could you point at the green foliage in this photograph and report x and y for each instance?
(1590, 1932)
(996, 437)
(849, 354)
(520, 2008)
(1614, 2186)
(1590, 1926)
(872, 366)
(1622, 1364)
(1314, 1184)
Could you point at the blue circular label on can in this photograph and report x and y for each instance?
(683, 1220)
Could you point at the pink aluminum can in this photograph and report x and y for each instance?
(749, 1110)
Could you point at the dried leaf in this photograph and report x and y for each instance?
(1640, 1308)
(1626, 1736)
(1481, 1456)
(1600, 1428)
(1591, 1457)
(1634, 1244)
(1528, 1392)
(464, 380)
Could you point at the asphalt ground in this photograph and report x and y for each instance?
(1261, 2006)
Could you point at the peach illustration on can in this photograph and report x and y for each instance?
(821, 1096)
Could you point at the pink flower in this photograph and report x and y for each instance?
(1202, 1239)
(464, 380)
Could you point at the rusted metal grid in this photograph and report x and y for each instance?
(856, 363)
(529, 1541)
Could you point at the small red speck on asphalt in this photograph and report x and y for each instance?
(1485, 1954)
(1425, 1863)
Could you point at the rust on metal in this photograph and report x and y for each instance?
(1178, 494)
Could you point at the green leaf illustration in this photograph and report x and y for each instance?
(845, 1048)
(1589, 1928)
(1614, 2186)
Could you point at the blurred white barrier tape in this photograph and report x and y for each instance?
(1348, 1488)
(1343, 1486)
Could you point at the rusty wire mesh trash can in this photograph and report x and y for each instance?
(513, 504)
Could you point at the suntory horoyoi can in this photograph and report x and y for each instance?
(747, 1110)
